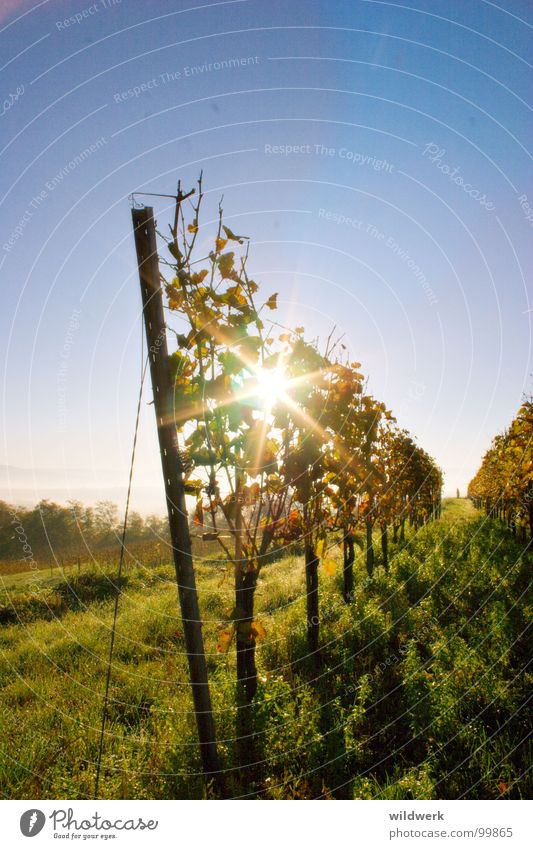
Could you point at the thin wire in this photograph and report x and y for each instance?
(178, 197)
(153, 195)
(119, 576)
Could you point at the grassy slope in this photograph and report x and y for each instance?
(421, 695)
(458, 508)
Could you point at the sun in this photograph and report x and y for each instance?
(270, 385)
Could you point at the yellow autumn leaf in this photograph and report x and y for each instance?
(198, 277)
(193, 228)
(224, 640)
(220, 244)
(330, 566)
(233, 237)
(258, 630)
(320, 548)
(225, 264)
(272, 302)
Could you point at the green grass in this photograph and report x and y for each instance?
(455, 509)
(421, 694)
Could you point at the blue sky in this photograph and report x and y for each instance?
(376, 153)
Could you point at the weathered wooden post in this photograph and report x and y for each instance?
(154, 322)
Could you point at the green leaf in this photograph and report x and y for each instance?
(230, 362)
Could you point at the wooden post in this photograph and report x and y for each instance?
(154, 322)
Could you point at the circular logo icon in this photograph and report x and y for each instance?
(32, 822)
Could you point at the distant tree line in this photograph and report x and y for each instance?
(51, 529)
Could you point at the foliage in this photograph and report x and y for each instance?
(503, 484)
(279, 440)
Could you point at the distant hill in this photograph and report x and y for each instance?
(24, 486)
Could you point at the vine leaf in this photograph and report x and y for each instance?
(233, 237)
(224, 640)
(258, 630)
(225, 264)
(330, 566)
(199, 513)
